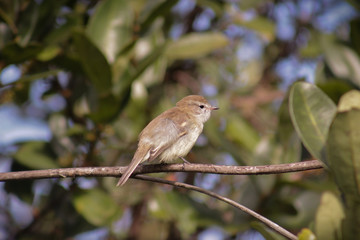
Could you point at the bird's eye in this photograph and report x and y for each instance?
(201, 106)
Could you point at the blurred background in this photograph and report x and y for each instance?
(80, 79)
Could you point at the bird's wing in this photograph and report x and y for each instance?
(156, 137)
(164, 131)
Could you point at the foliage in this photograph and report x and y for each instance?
(92, 74)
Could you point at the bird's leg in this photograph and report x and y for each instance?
(185, 161)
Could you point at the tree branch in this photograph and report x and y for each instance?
(199, 168)
(262, 219)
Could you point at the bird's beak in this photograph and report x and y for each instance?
(214, 108)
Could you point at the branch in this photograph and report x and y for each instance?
(262, 219)
(199, 168)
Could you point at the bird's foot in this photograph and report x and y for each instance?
(185, 161)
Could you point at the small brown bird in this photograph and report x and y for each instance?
(172, 134)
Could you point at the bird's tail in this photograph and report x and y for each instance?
(139, 157)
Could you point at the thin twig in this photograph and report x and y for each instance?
(199, 168)
(262, 219)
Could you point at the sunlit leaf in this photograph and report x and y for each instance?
(311, 112)
(343, 62)
(49, 53)
(329, 217)
(195, 45)
(349, 100)
(36, 155)
(122, 88)
(110, 27)
(343, 151)
(306, 234)
(96, 206)
(94, 63)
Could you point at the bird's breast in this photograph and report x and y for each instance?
(183, 145)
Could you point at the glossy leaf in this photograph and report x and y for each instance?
(195, 45)
(349, 100)
(311, 113)
(110, 27)
(36, 155)
(94, 63)
(329, 217)
(343, 151)
(96, 206)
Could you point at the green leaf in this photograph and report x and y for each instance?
(286, 135)
(354, 3)
(104, 109)
(349, 100)
(355, 33)
(329, 217)
(239, 131)
(351, 222)
(188, 214)
(343, 151)
(110, 27)
(122, 88)
(306, 234)
(161, 10)
(335, 88)
(262, 26)
(343, 62)
(311, 113)
(96, 206)
(14, 53)
(313, 48)
(36, 155)
(36, 76)
(195, 45)
(94, 63)
(49, 53)
(268, 234)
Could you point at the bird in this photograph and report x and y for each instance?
(172, 134)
